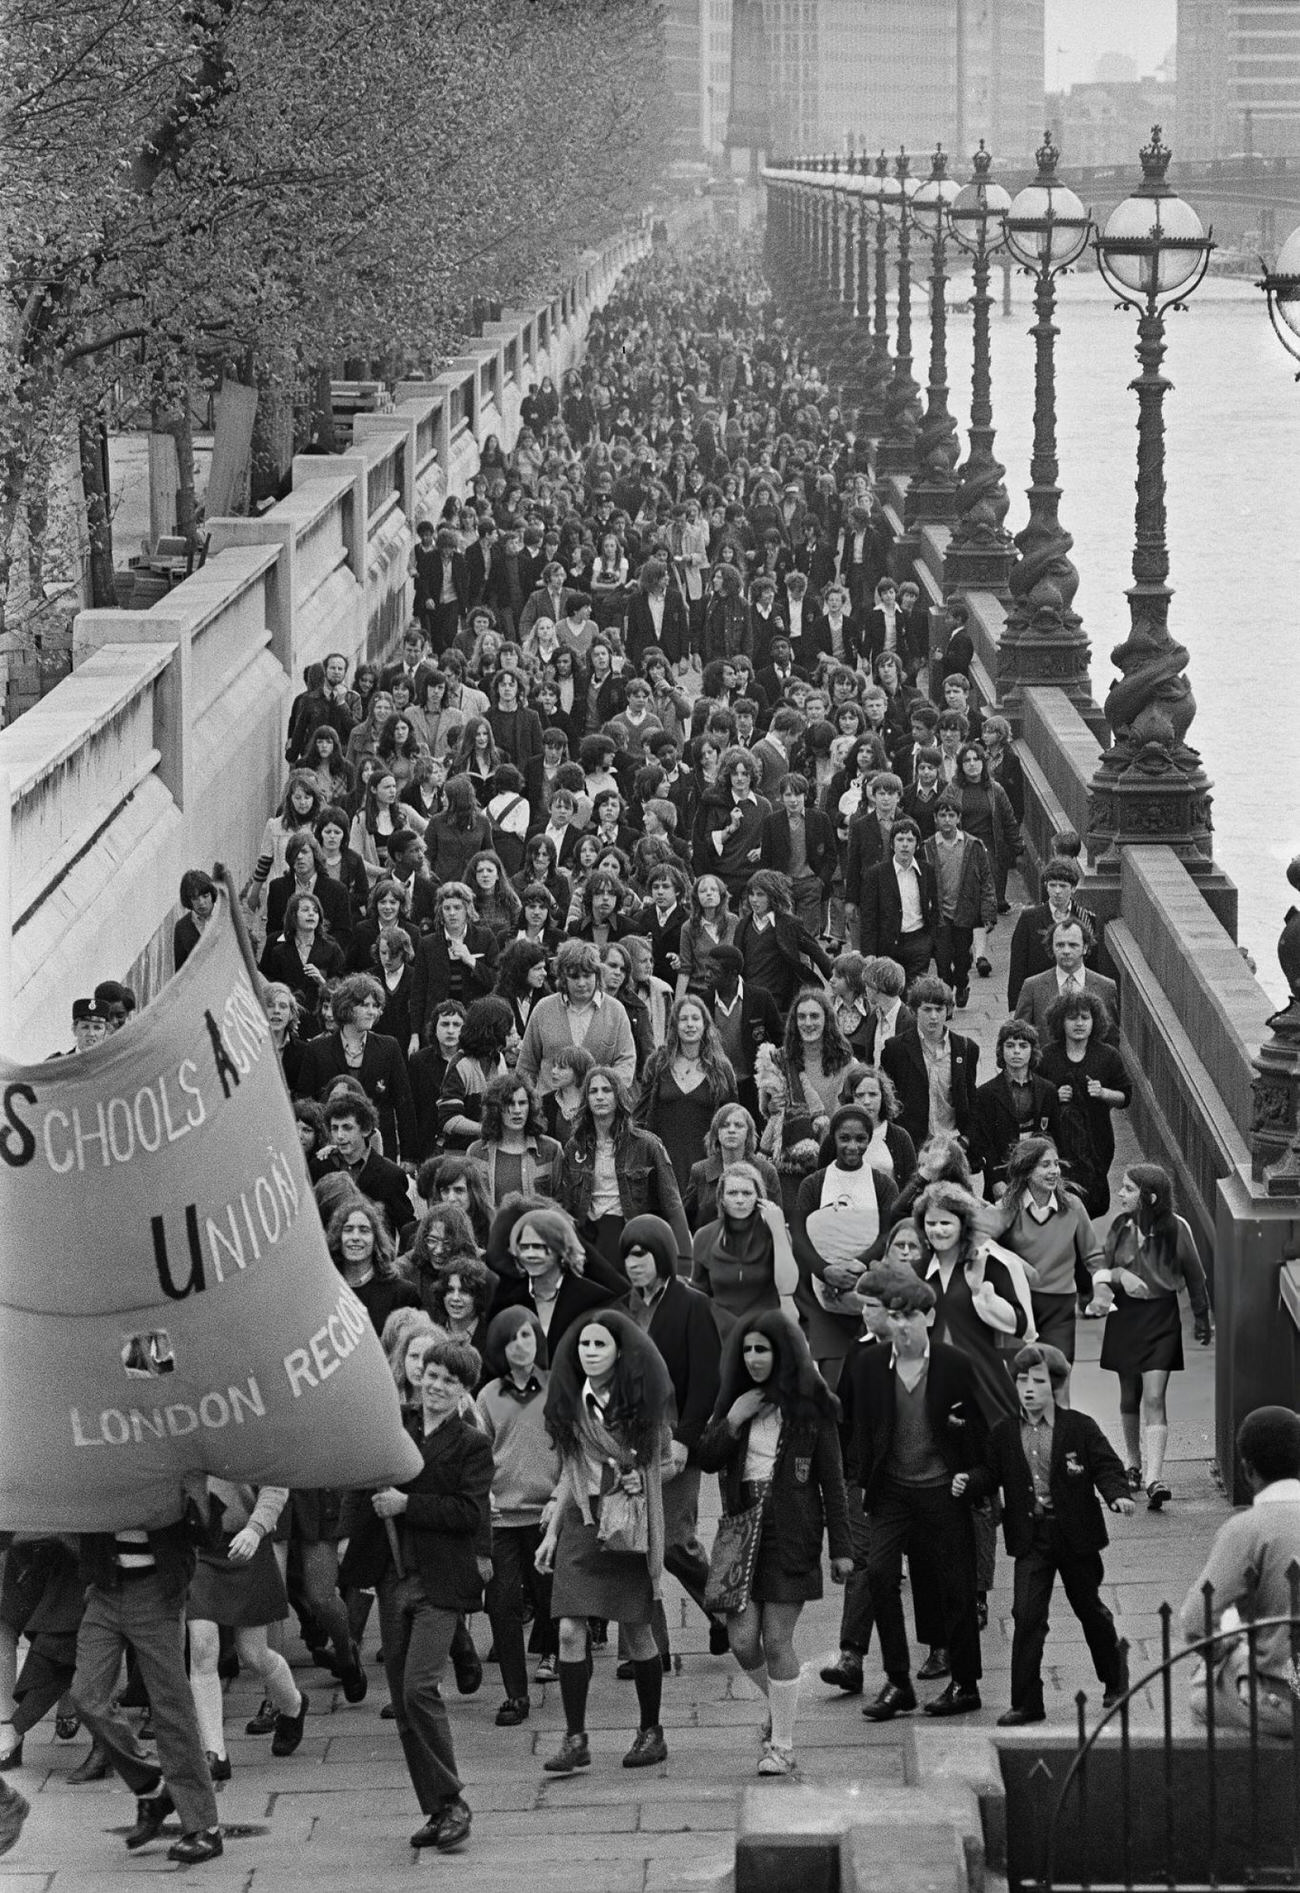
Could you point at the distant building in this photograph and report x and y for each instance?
(749, 129)
(1108, 123)
(1238, 77)
(859, 74)
(697, 44)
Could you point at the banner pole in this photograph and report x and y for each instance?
(221, 873)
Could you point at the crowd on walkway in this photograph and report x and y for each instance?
(616, 936)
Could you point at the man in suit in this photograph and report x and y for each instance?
(553, 599)
(886, 982)
(448, 590)
(478, 560)
(1016, 1103)
(914, 1424)
(772, 751)
(799, 841)
(933, 1067)
(656, 617)
(1030, 952)
(772, 680)
(1069, 974)
(869, 844)
(1050, 1463)
(899, 903)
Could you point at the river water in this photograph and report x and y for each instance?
(1233, 477)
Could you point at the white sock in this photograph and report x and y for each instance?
(784, 1698)
(760, 1679)
(1157, 1440)
(279, 1686)
(206, 1691)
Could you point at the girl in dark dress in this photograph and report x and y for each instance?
(608, 1414)
(1091, 1081)
(684, 1083)
(773, 1439)
(1150, 1254)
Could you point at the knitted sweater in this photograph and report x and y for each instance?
(525, 1464)
(1052, 1247)
(1247, 1566)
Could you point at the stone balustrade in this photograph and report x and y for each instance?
(164, 749)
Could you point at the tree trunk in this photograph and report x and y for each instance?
(176, 422)
(323, 438)
(272, 452)
(92, 449)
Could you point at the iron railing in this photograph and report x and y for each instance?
(1210, 1810)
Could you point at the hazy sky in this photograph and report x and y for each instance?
(1079, 31)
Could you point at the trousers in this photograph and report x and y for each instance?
(142, 1616)
(858, 1618)
(417, 1638)
(514, 1577)
(934, 1529)
(1081, 1574)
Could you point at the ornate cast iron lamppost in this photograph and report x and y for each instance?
(980, 551)
(931, 494)
(1047, 231)
(897, 451)
(875, 365)
(1150, 786)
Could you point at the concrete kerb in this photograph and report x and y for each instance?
(804, 1836)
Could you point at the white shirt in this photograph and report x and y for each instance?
(794, 608)
(760, 1450)
(909, 892)
(1069, 982)
(887, 1022)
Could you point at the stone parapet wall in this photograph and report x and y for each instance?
(165, 748)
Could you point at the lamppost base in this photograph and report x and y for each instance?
(976, 568)
(1150, 796)
(930, 504)
(1048, 658)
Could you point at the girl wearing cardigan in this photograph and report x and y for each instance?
(608, 1413)
(773, 1439)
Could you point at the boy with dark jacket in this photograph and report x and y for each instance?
(1050, 1463)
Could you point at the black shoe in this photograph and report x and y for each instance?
(572, 1753)
(626, 1670)
(961, 997)
(218, 1766)
(151, 1810)
(1020, 1718)
(984, 966)
(958, 1699)
(845, 1673)
(513, 1711)
(66, 1727)
(719, 1641)
(893, 1700)
(935, 1666)
(1004, 906)
(1158, 1494)
(323, 1657)
(191, 1849)
(288, 1729)
(353, 1677)
(453, 1827)
(427, 1836)
(1133, 1474)
(388, 1713)
(94, 1768)
(469, 1674)
(648, 1747)
(264, 1721)
(1114, 1697)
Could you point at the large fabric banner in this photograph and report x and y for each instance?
(167, 1302)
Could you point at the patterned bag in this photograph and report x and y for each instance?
(624, 1523)
(731, 1565)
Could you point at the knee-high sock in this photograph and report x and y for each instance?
(574, 1678)
(278, 1683)
(784, 1698)
(206, 1691)
(649, 1676)
(1156, 1441)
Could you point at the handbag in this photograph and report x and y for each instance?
(624, 1523)
(732, 1560)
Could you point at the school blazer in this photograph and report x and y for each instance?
(1083, 1463)
(904, 1060)
(869, 1397)
(994, 1126)
(880, 907)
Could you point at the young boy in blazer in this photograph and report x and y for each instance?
(1050, 1463)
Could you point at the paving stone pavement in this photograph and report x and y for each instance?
(339, 1813)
